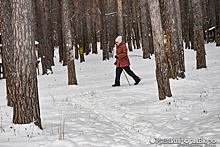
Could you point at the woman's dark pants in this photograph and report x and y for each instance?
(128, 71)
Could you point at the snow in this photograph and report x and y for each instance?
(211, 28)
(96, 114)
(36, 42)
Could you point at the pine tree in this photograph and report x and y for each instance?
(199, 34)
(68, 42)
(162, 73)
(26, 107)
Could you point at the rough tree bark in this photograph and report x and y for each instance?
(128, 23)
(60, 36)
(79, 30)
(198, 34)
(93, 27)
(185, 22)
(84, 13)
(191, 22)
(173, 46)
(135, 24)
(68, 42)
(181, 68)
(26, 107)
(217, 32)
(7, 49)
(104, 40)
(120, 18)
(43, 50)
(145, 31)
(111, 18)
(162, 74)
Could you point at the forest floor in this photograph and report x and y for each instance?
(93, 113)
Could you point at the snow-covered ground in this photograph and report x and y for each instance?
(96, 114)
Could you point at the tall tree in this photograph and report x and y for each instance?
(68, 43)
(205, 18)
(217, 32)
(44, 50)
(127, 8)
(135, 24)
(185, 22)
(26, 107)
(73, 21)
(79, 30)
(120, 18)
(94, 27)
(199, 34)
(111, 20)
(60, 34)
(162, 74)
(145, 31)
(103, 36)
(84, 20)
(211, 20)
(172, 30)
(190, 23)
(180, 51)
(50, 45)
(7, 49)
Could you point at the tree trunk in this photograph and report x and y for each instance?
(50, 33)
(60, 36)
(136, 36)
(199, 35)
(145, 31)
(85, 27)
(79, 33)
(151, 45)
(55, 21)
(162, 74)
(43, 51)
(185, 16)
(26, 107)
(172, 36)
(173, 45)
(211, 20)
(180, 50)
(7, 49)
(217, 29)
(205, 20)
(128, 23)
(190, 23)
(104, 30)
(120, 19)
(68, 42)
(94, 26)
(74, 27)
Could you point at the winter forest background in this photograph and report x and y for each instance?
(56, 61)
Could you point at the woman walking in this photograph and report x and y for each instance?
(122, 62)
